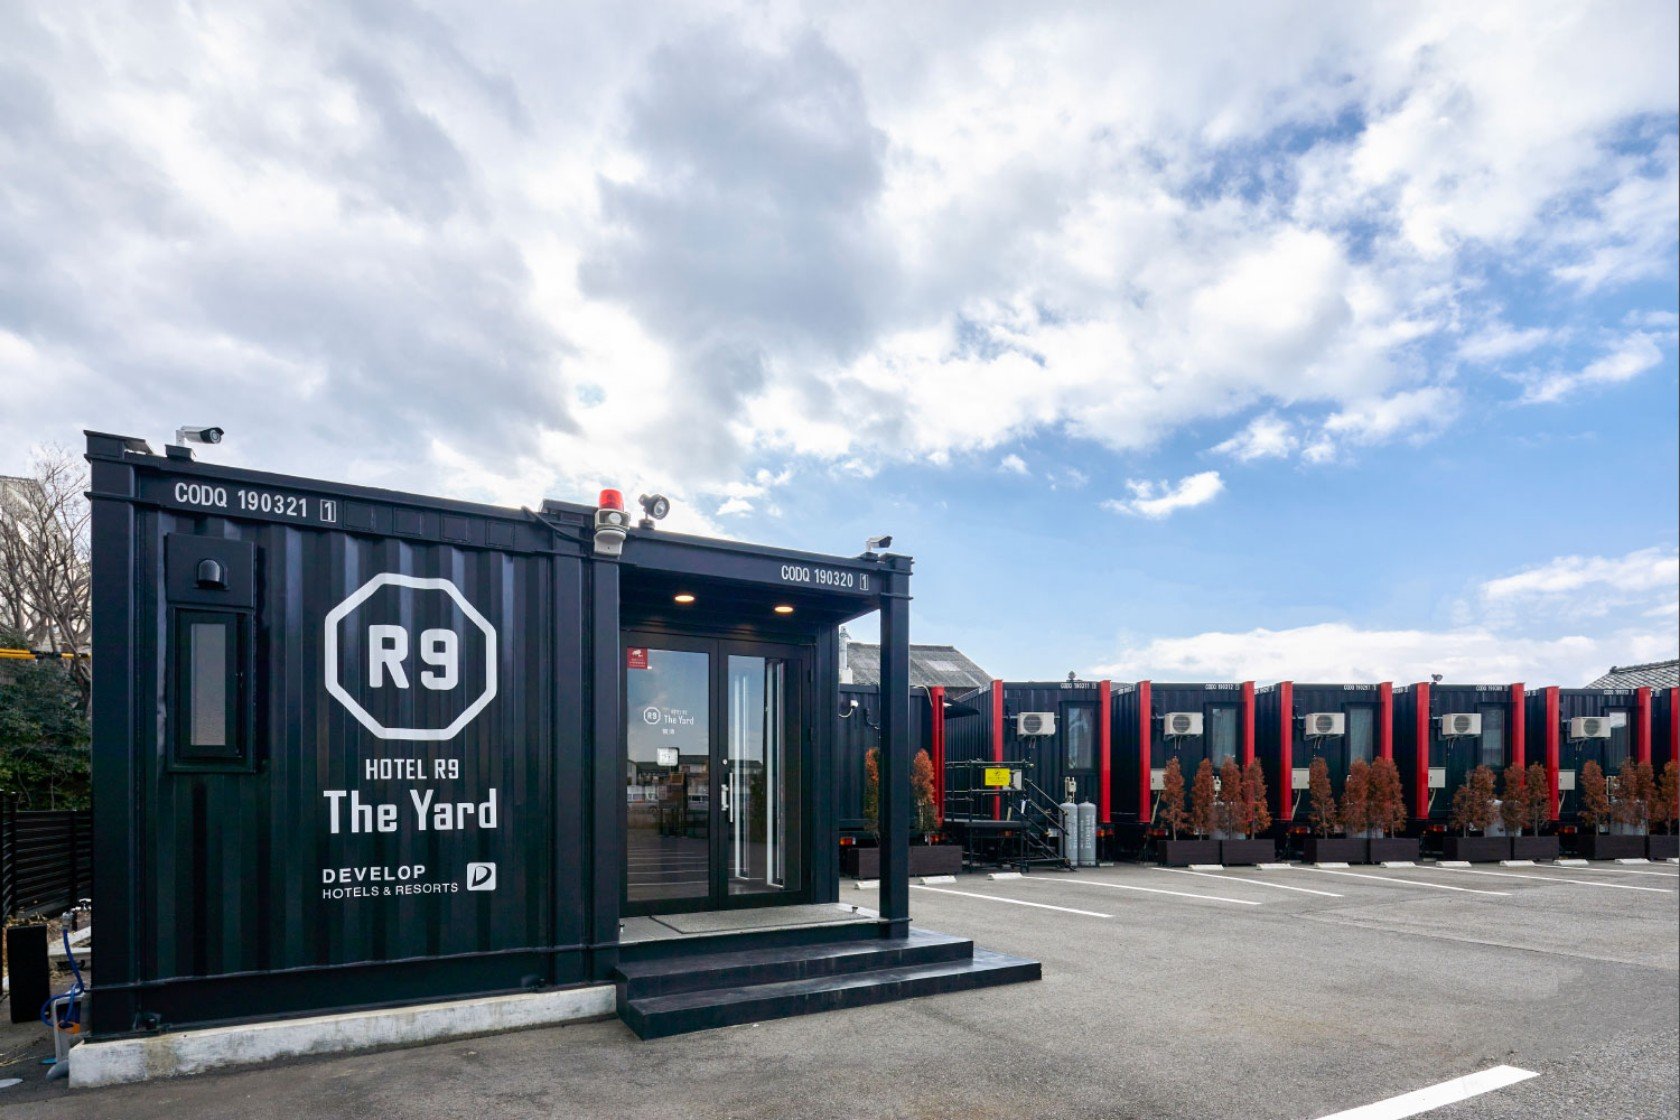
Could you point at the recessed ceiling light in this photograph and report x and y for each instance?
(783, 608)
(685, 597)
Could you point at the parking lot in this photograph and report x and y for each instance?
(1297, 992)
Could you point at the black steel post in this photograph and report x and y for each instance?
(895, 758)
(606, 766)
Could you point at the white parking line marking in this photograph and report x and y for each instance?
(1670, 876)
(1012, 901)
(1555, 879)
(1405, 882)
(1250, 882)
(1437, 1096)
(1148, 890)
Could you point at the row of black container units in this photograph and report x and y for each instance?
(1232, 773)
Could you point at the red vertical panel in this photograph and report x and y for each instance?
(1420, 770)
(1552, 732)
(1286, 749)
(936, 699)
(1247, 722)
(1104, 766)
(1519, 727)
(997, 740)
(1673, 725)
(1145, 798)
(1642, 725)
(1385, 720)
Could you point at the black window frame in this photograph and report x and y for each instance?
(239, 755)
(1090, 709)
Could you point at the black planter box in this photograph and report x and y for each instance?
(925, 859)
(1602, 845)
(1182, 853)
(1247, 851)
(1476, 849)
(1337, 850)
(1534, 847)
(1393, 849)
(1666, 846)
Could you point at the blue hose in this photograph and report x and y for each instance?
(73, 1016)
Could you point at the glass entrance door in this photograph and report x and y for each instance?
(714, 775)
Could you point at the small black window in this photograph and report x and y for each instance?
(1080, 736)
(1222, 732)
(1361, 733)
(1617, 749)
(1493, 736)
(209, 713)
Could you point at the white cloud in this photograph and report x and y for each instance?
(1501, 340)
(1415, 414)
(1266, 437)
(1644, 571)
(1013, 464)
(1156, 500)
(1631, 357)
(733, 506)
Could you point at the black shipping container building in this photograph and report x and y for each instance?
(1156, 721)
(1569, 727)
(357, 748)
(1443, 732)
(1665, 726)
(1339, 723)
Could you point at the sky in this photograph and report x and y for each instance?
(1188, 342)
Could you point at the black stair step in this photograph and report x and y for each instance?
(643, 979)
(662, 1016)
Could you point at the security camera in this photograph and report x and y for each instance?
(877, 542)
(1435, 678)
(655, 507)
(199, 435)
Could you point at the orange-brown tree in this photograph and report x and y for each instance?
(1665, 798)
(1592, 794)
(1259, 813)
(1385, 800)
(1170, 815)
(1322, 812)
(1472, 806)
(1203, 801)
(872, 791)
(1356, 799)
(1635, 786)
(1513, 801)
(1234, 813)
(1538, 801)
(926, 813)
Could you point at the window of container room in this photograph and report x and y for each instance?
(1493, 736)
(1618, 747)
(1079, 736)
(1222, 732)
(1361, 733)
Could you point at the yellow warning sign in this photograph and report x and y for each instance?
(1000, 777)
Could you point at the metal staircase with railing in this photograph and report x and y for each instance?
(1015, 825)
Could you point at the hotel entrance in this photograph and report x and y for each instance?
(715, 797)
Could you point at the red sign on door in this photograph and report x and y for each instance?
(635, 657)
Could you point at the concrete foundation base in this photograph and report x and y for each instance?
(178, 1054)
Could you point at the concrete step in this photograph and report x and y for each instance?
(747, 967)
(680, 1013)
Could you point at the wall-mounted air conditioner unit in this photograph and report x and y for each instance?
(1589, 727)
(1032, 724)
(1182, 723)
(1325, 723)
(1459, 724)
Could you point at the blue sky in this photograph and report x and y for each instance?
(1189, 341)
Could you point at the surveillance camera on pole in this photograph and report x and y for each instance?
(655, 507)
(873, 543)
(199, 435)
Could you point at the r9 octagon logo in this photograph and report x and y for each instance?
(410, 658)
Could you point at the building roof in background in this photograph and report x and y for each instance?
(930, 666)
(1652, 674)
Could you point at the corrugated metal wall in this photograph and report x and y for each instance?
(1047, 756)
(859, 733)
(1618, 704)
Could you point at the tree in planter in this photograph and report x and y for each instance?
(1634, 785)
(1355, 808)
(1665, 804)
(1171, 815)
(1537, 799)
(1203, 806)
(925, 814)
(1472, 805)
(1513, 801)
(1259, 814)
(1385, 801)
(1593, 793)
(1322, 815)
(1234, 815)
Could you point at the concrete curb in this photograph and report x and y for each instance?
(1272, 866)
(1004, 875)
(1569, 862)
(929, 880)
(1452, 863)
(1331, 863)
(1400, 863)
(1641, 859)
(1207, 867)
(179, 1053)
(1517, 863)
(866, 884)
